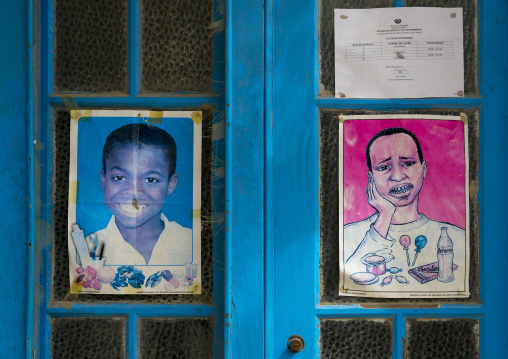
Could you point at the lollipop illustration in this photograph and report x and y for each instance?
(420, 243)
(405, 241)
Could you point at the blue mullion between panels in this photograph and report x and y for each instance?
(398, 3)
(46, 344)
(317, 240)
(317, 246)
(482, 337)
(145, 102)
(45, 220)
(317, 45)
(132, 336)
(482, 89)
(399, 336)
(269, 214)
(141, 310)
(134, 47)
(393, 104)
(48, 47)
(47, 174)
(356, 311)
(218, 82)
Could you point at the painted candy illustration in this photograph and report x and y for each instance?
(420, 243)
(394, 270)
(386, 280)
(405, 241)
(427, 272)
(401, 279)
(153, 280)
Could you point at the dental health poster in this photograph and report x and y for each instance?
(134, 220)
(404, 211)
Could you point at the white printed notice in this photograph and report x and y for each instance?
(399, 53)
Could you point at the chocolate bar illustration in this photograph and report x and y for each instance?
(427, 272)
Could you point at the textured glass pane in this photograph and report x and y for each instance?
(443, 338)
(176, 45)
(176, 338)
(80, 337)
(326, 37)
(329, 207)
(470, 37)
(60, 195)
(90, 46)
(355, 338)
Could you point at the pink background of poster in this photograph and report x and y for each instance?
(442, 197)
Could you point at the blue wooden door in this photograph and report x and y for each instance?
(119, 54)
(301, 257)
(286, 47)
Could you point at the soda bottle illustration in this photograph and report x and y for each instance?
(445, 257)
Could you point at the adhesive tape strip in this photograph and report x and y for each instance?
(196, 213)
(197, 117)
(72, 295)
(73, 192)
(76, 114)
(155, 117)
(195, 287)
(463, 117)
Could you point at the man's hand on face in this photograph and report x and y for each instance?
(384, 207)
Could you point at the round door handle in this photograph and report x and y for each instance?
(296, 343)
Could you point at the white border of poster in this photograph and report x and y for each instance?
(109, 207)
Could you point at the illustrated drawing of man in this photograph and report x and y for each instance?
(396, 173)
(138, 173)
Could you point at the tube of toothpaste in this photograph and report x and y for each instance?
(80, 242)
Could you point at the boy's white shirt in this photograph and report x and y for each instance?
(174, 246)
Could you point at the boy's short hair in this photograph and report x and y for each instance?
(393, 131)
(141, 134)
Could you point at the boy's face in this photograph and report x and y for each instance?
(136, 183)
(396, 168)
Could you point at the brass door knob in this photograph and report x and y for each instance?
(296, 343)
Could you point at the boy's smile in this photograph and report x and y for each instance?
(136, 183)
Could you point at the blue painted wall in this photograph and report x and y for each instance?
(13, 178)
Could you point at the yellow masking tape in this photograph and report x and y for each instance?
(83, 116)
(73, 192)
(69, 103)
(72, 295)
(342, 119)
(196, 213)
(155, 117)
(87, 116)
(195, 287)
(197, 117)
(131, 290)
(463, 117)
(76, 113)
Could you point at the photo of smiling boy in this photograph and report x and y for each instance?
(138, 172)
